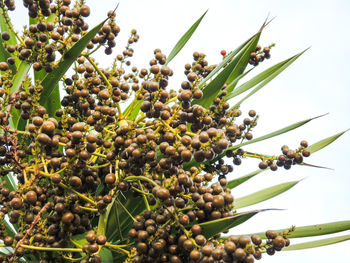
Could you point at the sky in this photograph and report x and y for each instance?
(317, 83)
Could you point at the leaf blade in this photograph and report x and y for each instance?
(184, 39)
(267, 80)
(323, 143)
(313, 230)
(214, 227)
(265, 76)
(263, 195)
(317, 243)
(240, 180)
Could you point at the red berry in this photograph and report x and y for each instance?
(223, 52)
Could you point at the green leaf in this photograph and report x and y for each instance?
(236, 182)
(183, 40)
(211, 228)
(9, 182)
(313, 230)
(50, 81)
(17, 82)
(133, 109)
(12, 41)
(263, 195)
(264, 77)
(107, 255)
(211, 91)
(9, 230)
(134, 205)
(323, 143)
(317, 243)
(268, 79)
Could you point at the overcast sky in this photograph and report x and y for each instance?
(315, 84)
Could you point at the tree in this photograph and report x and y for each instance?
(125, 168)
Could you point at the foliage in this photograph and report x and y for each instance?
(123, 169)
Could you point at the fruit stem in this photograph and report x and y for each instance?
(126, 210)
(138, 178)
(78, 194)
(52, 248)
(116, 247)
(88, 208)
(171, 129)
(144, 197)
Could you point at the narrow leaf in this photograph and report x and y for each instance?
(236, 182)
(267, 80)
(214, 87)
(323, 143)
(263, 195)
(133, 109)
(224, 62)
(317, 243)
(211, 228)
(9, 182)
(313, 230)
(264, 77)
(50, 81)
(12, 41)
(183, 40)
(17, 82)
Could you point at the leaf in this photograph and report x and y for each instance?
(317, 243)
(211, 91)
(211, 228)
(263, 195)
(264, 77)
(12, 41)
(313, 230)
(107, 255)
(50, 81)
(10, 182)
(134, 205)
(236, 182)
(9, 230)
(17, 80)
(183, 40)
(323, 143)
(271, 77)
(133, 109)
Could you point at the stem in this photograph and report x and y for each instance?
(88, 209)
(78, 194)
(116, 247)
(144, 197)
(171, 129)
(138, 178)
(126, 210)
(53, 249)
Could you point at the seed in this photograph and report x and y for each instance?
(270, 234)
(278, 242)
(101, 239)
(240, 254)
(48, 127)
(4, 66)
(306, 152)
(67, 218)
(218, 201)
(31, 197)
(110, 178)
(256, 240)
(85, 10)
(43, 139)
(91, 236)
(56, 178)
(5, 36)
(8, 241)
(263, 165)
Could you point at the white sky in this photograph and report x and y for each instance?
(316, 83)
